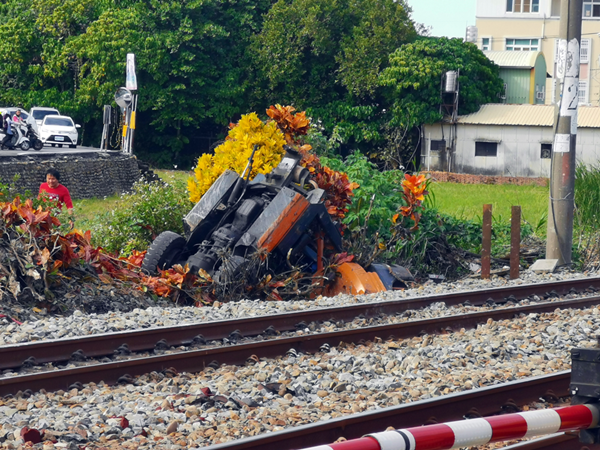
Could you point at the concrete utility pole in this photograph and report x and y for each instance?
(562, 176)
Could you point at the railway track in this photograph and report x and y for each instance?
(486, 401)
(99, 345)
(557, 441)
(124, 370)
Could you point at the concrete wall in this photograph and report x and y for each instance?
(518, 155)
(85, 175)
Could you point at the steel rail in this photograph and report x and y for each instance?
(488, 401)
(99, 345)
(556, 441)
(198, 360)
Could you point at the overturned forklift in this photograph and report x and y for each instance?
(281, 218)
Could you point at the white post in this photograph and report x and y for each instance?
(429, 153)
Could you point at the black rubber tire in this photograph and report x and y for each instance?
(38, 145)
(166, 249)
(53, 145)
(60, 145)
(25, 145)
(72, 146)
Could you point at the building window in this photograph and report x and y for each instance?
(524, 45)
(436, 146)
(486, 148)
(591, 8)
(584, 51)
(583, 91)
(486, 44)
(522, 6)
(546, 151)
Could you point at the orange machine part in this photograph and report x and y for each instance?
(353, 279)
(284, 223)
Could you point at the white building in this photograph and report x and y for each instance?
(505, 140)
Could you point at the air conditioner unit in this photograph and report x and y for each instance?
(540, 94)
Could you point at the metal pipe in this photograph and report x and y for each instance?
(476, 432)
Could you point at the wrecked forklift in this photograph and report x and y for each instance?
(281, 216)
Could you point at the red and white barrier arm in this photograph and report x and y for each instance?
(470, 432)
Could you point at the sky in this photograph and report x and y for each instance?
(445, 17)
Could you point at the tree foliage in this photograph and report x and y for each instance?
(201, 64)
(326, 57)
(415, 73)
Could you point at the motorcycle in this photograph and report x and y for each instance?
(33, 137)
(19, 137)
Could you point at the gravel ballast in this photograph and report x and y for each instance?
(183, 410)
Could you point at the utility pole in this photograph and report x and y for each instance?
(562, 176)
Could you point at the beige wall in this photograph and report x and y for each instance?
(547, 30)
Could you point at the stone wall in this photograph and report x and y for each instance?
(465, 178)
(86, 175)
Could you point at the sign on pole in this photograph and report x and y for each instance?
(130, 78)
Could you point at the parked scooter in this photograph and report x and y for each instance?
(19, 138)
(33, 137)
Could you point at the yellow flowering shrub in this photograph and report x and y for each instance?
(233, 154)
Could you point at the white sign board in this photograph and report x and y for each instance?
(130, 78)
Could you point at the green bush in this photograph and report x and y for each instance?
(138, 217)
(587, 196)
(432, 247)
(383, 189)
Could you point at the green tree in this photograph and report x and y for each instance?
(415, 72)
(325, 56)
(191, 62)
(34, 67)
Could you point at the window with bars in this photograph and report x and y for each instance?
(437, 146)
(583, 91)
(584, 51)
(524, 45)
(591, 8)
(523, 6)
(486, 148)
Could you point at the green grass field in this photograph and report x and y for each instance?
(465, 201)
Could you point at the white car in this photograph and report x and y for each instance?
(39, 112)
(59, 130)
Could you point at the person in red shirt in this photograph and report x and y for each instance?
(56, 191)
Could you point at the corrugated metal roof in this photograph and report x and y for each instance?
(514, 60)
(501, 114)
(528, 115)
(588, 117)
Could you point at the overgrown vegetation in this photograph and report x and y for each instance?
(138, 217)
(587, 216)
